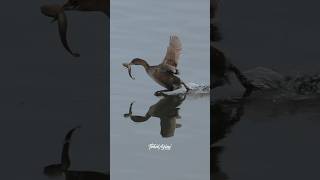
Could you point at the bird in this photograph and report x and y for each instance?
(164, 73)
(166, 109)
(62, 169)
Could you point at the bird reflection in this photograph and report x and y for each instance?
(166, 109)
(62, 169)
(225, 114)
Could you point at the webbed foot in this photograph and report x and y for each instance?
(130, 111)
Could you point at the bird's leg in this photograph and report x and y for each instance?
(184, 84)
(160, 93)
(130, 111)
(184, 97)
(243, 80)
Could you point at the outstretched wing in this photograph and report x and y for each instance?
(173, 53)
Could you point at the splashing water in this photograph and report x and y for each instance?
(284, 87)
(195, 90)
(270, 82)
(265, 78)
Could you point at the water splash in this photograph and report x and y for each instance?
(280, 87)
(195, 90)
(265, 78)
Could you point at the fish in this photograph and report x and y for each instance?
(57, 12)
(62, 24)
(128, 66)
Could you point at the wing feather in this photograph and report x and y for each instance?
(173, 53)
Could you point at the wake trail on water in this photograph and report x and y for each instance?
(196, 90)
(275, 86)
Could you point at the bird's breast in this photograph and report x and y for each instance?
(161, 77)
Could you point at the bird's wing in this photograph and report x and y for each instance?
(173, 52)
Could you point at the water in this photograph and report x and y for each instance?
(45, 92)
(265, 137)
(142, 29)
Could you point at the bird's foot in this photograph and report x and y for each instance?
(130, 111)
(249, 89)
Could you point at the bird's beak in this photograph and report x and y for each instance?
(128, 66)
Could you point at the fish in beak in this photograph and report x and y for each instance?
(128, 66)
(63, 27)
(56, 12)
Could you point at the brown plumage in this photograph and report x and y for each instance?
(166, 109)
(164, 73)
(171, 59)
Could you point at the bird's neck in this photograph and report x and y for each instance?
(142, 63)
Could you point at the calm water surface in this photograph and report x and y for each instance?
(142, 29)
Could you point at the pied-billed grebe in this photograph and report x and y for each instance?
(165, 73)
